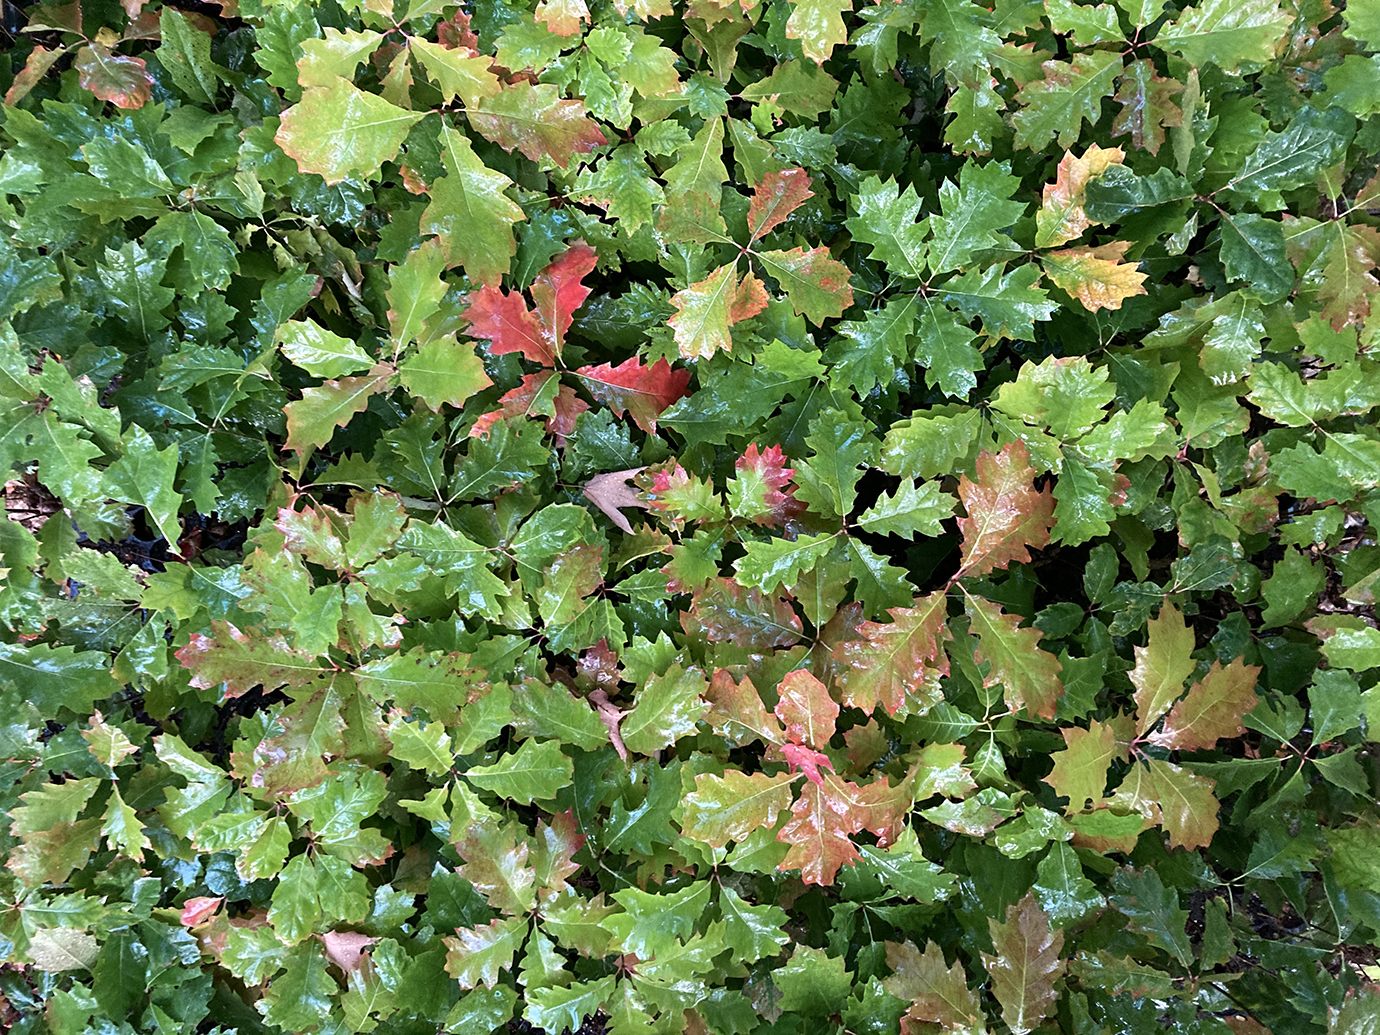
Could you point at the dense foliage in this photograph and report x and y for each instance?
(728, 516)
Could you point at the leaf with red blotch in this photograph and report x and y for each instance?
(1345, 274)
(1096, 276)
(761, 491)
(36, 66)
(556, 843)
(562, 17)
(1162, 665)
(196, 911)
(312, 420)
(816, 283)
(529, 399)
(807, 709)
(1005, 513)
(1146, 108)
(706, 311)
(341, 131)
(1061, 217)
(736, 712)
(123, 81)
(818, 837)
(294, 759)
(1026, 964)
(891, 661)
(244, 660)
(726, 612)
(504, 319)
(1188, 805)
(802, 759)
(1212, 709)
(311, 533)
(558, 292)
(1029, 675)
(643, 392)
(538, 122)
(776, 197)
(937, 994)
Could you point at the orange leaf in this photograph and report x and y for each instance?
(891, 661)
(1096, 276)
(1005, 512)
(1212, 709)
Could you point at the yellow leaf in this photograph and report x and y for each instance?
(1096, 276)
(1061, 217)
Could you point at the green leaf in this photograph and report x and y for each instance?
(1253, 251)
(312, 420)
(186, 54)
(339, 131)
(1226, 34)
(776, 562)
(974, 212)
(1008, 305)
(319, 351)
(1056, 105)
(1062, 891)
(909, 510)
(1153, 910)
(534, 771)
(300, 998)
(665, 710)
(885, 218)
(471, 213)
(813, 983)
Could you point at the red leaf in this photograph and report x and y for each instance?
(123, 81)
(806, 760)
(896, 659)
(776, 197)
(807, 709)
(1005, 513)
(455, 32)
(538, 334)
(818, 837)
(644, 392)
(558, 291)
(508, 324)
